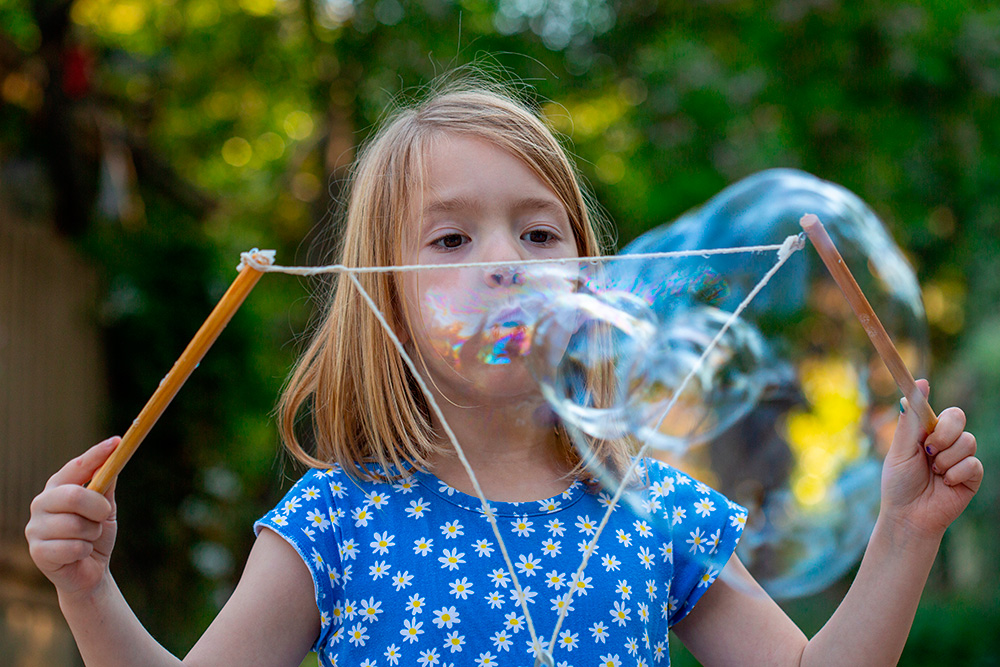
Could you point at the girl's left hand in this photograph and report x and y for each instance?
(928, 480)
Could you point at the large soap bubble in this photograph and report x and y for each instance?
(805, 459)
(787, 410)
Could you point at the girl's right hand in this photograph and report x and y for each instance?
(72, 529)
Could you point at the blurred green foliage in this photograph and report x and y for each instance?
(165, 137)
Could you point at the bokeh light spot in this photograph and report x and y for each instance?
(610, 168)
(298, 125)
(257, 7)
(270, 146)
(237, 151)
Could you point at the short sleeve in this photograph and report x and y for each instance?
(308, 520)
(704, 528)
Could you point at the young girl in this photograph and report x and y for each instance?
(381, 554)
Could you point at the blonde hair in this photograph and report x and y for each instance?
(365, 412)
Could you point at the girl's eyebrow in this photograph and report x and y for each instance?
(462, 203)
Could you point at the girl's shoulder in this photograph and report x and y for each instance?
(666, 481)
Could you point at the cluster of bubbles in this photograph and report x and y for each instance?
(787, 410)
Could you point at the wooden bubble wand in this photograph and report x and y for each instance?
(182, 369)
(817, 234)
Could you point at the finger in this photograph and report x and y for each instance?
(968, 471)
(910, 433)
(66, 527)
(109, 495)
(950, 425)
(73, 499)
(83, 467)
(56, 553)
(963, 447)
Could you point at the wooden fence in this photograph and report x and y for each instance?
(51, 396)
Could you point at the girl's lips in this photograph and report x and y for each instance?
(509, 317)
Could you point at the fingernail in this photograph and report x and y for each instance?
(902, 406)
(927, 448)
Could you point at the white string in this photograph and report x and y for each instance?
(263, 260)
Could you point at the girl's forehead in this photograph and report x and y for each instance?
(464, 167)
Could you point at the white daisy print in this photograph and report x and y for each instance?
(551, 548)
(357, 635)
(452, 529)
(461, 589)
(486, 659)
(370, 609)
(514, 622)
(522, 527)
(382, 542)
(527, 565)
(704, 507)
(568, 640)
(454, 642)
(428, 658)
(445, 617)
(415, 605)
(599, 632)
(483, 548)
(361, 516)
(318, 519)
(422, 546)
(697, 541)
(620, 614)
(377, 499)
(610, 563)
(401, 580)
(610, 660)
(502, 640)
(451, 559)
(417, 508)
(586, 526)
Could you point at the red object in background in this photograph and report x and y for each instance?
(78, 68)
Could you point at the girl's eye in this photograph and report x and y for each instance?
(541, 236)
(450, 241)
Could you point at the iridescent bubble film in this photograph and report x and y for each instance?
(787, 410)
(806, 458)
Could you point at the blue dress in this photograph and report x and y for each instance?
(411, 573)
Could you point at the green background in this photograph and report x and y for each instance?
(236, 119)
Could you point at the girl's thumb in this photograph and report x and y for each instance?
(83, 467)
(910, 432)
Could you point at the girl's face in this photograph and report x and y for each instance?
(471, 326)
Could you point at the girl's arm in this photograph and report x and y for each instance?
(271, 618)
(922, 493)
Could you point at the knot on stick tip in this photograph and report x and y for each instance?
(256, 259)
(792, 244)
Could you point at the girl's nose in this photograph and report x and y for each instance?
(503, 276)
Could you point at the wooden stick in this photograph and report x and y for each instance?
(816, 232)
(178, 375)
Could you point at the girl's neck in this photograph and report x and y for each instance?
(514, 452)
